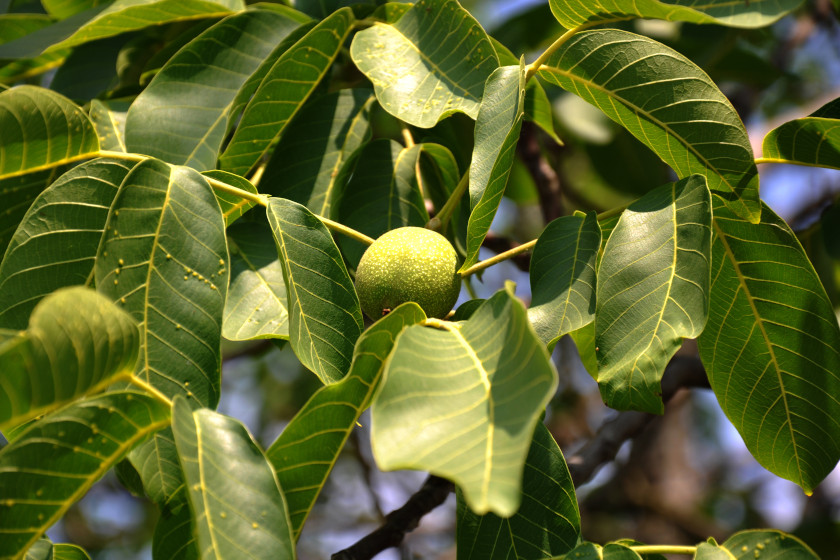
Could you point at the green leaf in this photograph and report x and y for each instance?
(306, 164)
(496, 134)
(653, 291)
(77, 343)
(813, 140)
(755, 13)
(164, 259)
(462, 402)
(41, 550)
(130, 15)
(56, 242)
(63, 551)
(238, 507)
(156, 461)
(324, 314)
(182, 116)
(90, 69)
(17, 194)
(668, 103)
(42, 129)
(563, 276)
(591, 551)
(411, 66)
(233, 206)
(547, 522)
(306, 451)
(61, 9)
(757, 544)
(285, 88)
(108, 118)
(440, 176)
(18, 26)
(175, 537)
(58, 458)
(771, 347)
(383, 194)
(256, 302)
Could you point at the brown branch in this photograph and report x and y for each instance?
(546, 179)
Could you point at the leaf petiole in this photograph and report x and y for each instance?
(149, 389)
(486, 263)
(442, 218)
(664, 549)
(535, 66)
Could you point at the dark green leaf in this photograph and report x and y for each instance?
(653, 291)
(286, 86)
(89, 69)
(771, 347)
(668, 103)
(77, 343)
(461, 401)
(233, 206)
(42, 475)
(547, 522)
(17, 194)
(108, 118)
(163, 257)
(17, 26)
(156, 461)
(410, 63)
(175, 537)
(324, 314)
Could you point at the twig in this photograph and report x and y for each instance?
(545, 178)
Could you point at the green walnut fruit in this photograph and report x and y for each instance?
(408, 264)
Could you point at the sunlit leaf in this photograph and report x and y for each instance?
(771, 347)
(42, 476)
(77, 343)
(286, 86)
(462, 400)
(56, 242)
(813, 140)
(547, 522)
(754, 13)
(163, 258)
(232, 205)
(256, 302)
(592, 551)
(653, 291)
(324, 314)
(63, 551)
(42, 129)
(496, 134)
(684, 119)
(411, 66)
(563, 276)
(757, 544)
(182, 116)
(306, 451)
(306, 164)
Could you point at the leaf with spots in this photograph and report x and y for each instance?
(256, 302)
(547, 523)
(233, 206)
(610, 551)
(325, 318)
(182, 116)
(108, 118)
(812, 140)
(771, 347)
(283, 91)
(42, 129)
(462, 400)
(163, 258)
(668, 103)
(411, 64)
(56, 242)
(308, 448)
(77, 343)
(755, 545)
(653, 291)
(54, 462)
(237, 504)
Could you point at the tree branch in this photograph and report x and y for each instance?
(545, 178)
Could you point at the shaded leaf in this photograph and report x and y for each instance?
(756, 13)
(108, 118)
(42, 478)
(238, 507)
(440, 176)
(324, 314)
(462, 402)
(175, 537)
(61, 9)
(182, 116)
(89, 69)
(63, 551)
(42, 129)
(306, 164)
(813, 140)
(256, 302)
(496, 134)
(771, 347)
(653, 291)
(411, 64)
(77, 343)
(383, 194)
(563, 276)
(547, 522)
(592, 551)
(286, 86)
(18, 26)
(56, 242)
(306, 451)
(18, 193)
(164, 259)
(233, 206)
(684, 119)
(156, 461)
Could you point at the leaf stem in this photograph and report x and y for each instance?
(349, 232)
(760, 160)
(442, 218)
(534, 66)
(151, 390)
(664, 549)
(499, 258)
(607, 214)
(408, 138)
